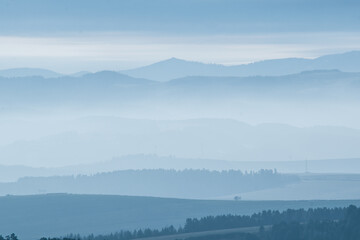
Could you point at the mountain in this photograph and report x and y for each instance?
(177, 68)
(114, 88)
(90, 140)
(11, 173)
(304, 86)
(189, 183)
(67, 89)
(111, 77)
(304, 99)
(28, 72)
(195, 184)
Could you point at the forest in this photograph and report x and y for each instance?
(310, 224)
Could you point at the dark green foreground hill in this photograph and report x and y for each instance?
(32, 217)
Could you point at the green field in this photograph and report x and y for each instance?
(32, 217)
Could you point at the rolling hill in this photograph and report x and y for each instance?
(32, 217)
(189, 184)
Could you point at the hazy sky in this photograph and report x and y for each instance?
(70, 36)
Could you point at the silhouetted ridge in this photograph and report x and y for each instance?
(160, 183)
(29, 72)
(176, 68)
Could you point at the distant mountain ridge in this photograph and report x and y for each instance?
(176, 68)
(114, 87)
(183, 139)
(28, 72)
(36, 72)
(11, 173)
(154, 182)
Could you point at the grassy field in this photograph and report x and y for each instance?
(32, 217)
(312, 186)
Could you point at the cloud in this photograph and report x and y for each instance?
(185, 17)
(95, 51)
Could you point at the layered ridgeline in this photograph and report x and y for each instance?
(307, 98)
(111, 88)
(92, 117)
(42, 117)
(56, 142)
(177, 68)
(322, 78)
(195, 184)
(28, 72)
(158, 183)
(336, 167)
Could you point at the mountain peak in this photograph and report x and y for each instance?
(174, 60)
(174, 68)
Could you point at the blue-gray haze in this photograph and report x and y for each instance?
(167, 101)
(214, 16)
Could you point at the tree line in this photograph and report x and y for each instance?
(347, 228)
(263, 218)
(156, 182)
(310, 224)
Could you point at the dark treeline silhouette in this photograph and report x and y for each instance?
(230, 236)
(9, 237)
(124, 235)
(157, 182)
(263, 218)
(347, 228)
(311, 224)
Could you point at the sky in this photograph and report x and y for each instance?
(69, 36)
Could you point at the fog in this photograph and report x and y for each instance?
(186, 119)
(79, 133)
(94, 139)
(71, 120)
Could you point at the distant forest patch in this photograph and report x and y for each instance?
(160, 183)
